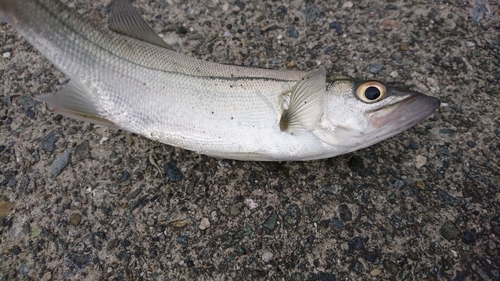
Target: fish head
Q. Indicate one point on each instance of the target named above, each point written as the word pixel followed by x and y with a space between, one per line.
pixel 361 113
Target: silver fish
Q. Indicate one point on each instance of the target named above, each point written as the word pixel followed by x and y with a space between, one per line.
pixel 127 77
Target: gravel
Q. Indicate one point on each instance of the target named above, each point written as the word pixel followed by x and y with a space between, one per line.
pixel 422 205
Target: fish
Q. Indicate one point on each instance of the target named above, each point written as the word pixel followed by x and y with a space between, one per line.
pixel 125 76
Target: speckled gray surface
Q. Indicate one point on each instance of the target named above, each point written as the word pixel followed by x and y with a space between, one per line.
pixel 85 202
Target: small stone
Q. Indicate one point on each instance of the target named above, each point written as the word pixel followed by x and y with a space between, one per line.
pixel 292 32
pixel 125 176
pixel 469 237
pixel 449 231
pixel 337 27
pixel 337 223
pixel 347 5
pixel 75 219
pixel 330 188
pixel 240 4
pixel 6 55
pixel 182 223
pixel 5 206
pixel 399 183
pixel 420 161
pixel 47 276
pixel 420 185
pixel 182 240
pixel 281 10
pixel 173 173
pixel 391 267
pixel 310 12
pixel 270 222
pixel 181 30
pixel 414 145
pixel 375 272
pixel 293 215
pixel 204 224
pixel 61 163
pixel 50 139
pixel 356 244
pixel 471 144
pixel 129 139
pixel 344 213
pixel 24 269
pixel 36 230
pixel 375 68
pixel 250 204
pixel 447 198
pixel 267 257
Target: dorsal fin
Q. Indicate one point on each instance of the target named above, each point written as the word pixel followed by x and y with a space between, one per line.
pixel 127 21
pixel 307 102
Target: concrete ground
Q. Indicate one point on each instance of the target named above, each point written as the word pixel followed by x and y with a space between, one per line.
pixel 424 205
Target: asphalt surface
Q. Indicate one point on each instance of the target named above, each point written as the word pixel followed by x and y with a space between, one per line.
pixel 85 202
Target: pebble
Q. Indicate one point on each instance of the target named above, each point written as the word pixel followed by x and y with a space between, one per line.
pixel 310 12
pixel 173 173
pixel 337 27
pixel 337 223
pixel 398 183
pixel 267 257
pixel 281 10
pixel 204 224
pixel 80 260
pixel 375 272
pixel 469 237
pixel 449 231
pixel 420 161
pixel 292 32
pixel 61 163
pixel 182 240
pixel 75 219
pixel 24 269
pixel 5 206
pixel 270 222
pixel 447 198
pixel 392 267
pixel 414 145
pixel 420 185
pixel 50 139
pixel 356 244
pixel 251 204
pixel 344 213
pixel 293 215
pixel 471 144
pixel 347 5
pixel 375 68
pixel 6 55
pixel 330 188
pixel 394 74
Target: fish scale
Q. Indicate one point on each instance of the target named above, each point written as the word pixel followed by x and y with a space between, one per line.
pixel 136 82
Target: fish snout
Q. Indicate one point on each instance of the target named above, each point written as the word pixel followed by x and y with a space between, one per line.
pixel 406 113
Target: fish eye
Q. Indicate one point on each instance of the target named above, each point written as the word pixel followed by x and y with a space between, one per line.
pixel 371 91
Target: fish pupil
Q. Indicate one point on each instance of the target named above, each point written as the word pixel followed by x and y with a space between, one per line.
pixel 372 93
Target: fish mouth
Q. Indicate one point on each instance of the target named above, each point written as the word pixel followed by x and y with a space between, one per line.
pixel 405 113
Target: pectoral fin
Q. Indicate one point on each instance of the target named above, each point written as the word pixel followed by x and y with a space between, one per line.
pixel 75 101
pixel 127 21
pixel 307 102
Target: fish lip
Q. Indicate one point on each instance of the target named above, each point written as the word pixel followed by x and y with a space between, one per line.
pixel 407 112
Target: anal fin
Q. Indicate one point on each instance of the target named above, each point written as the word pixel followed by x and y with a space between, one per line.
pixel 75 101
pixel 307 102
